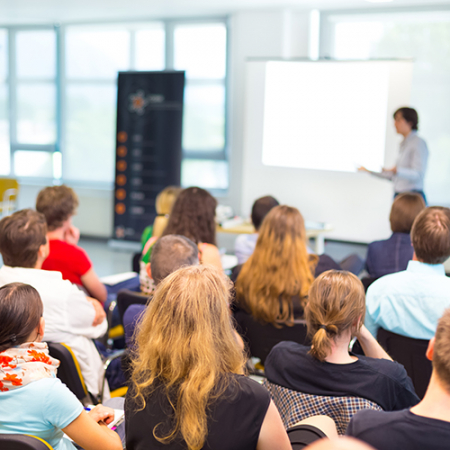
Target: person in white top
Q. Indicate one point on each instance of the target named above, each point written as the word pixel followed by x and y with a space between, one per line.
pixel 409 171
pixel 70 316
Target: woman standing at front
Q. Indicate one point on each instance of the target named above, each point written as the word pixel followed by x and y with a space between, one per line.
pixel 409 172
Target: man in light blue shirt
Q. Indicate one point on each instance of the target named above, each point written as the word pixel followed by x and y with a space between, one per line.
pixel 410 302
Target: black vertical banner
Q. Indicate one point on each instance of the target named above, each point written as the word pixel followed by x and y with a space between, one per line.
pixel 148 146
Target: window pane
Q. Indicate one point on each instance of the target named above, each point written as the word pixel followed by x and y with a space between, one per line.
pixel 3 55
pixel 4 131
pixel 424 38
pixel 36 54
pixel 150 49
pixel 96 54
pixel 36 113
pixel 90 140
pixel 204 117
pixel 201 50
pixel 33 164
pixel 204 173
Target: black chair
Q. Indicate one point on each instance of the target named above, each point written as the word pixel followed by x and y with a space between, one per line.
pixel 69 371
pixel 411 354
pixel 367 281
pixel 23 442
pixel 135 262
pixel 125 298
pixel 261 338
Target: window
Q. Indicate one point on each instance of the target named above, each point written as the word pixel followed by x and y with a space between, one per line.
pixel 424 37
pixel 62 104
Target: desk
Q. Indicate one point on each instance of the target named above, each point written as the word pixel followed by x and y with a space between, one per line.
pixel 314 230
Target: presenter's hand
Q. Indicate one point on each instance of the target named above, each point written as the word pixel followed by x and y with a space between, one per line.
pixel 102 414
pixel 363 169
pixel 72 235
pixel 393 170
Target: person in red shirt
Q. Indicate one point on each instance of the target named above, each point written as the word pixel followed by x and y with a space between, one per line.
pixel 59 204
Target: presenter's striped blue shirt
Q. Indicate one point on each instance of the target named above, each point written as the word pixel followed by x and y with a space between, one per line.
pixel 410 302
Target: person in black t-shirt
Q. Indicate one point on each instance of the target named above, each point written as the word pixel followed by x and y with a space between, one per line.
pixel 426 425
pixel 188 389
pixel 334 313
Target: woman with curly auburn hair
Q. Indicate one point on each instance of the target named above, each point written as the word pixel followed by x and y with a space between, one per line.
pixel 188 388
pixel 273 284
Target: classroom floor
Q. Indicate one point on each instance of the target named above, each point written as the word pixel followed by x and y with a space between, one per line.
pixel 108 261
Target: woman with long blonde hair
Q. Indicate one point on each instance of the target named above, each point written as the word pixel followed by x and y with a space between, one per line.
pixel 273 283
pixel 334 315
pixel 188 388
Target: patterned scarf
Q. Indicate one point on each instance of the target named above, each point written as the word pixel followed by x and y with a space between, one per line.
pixel 25 363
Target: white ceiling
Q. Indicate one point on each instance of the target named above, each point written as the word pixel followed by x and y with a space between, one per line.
pixel 48 11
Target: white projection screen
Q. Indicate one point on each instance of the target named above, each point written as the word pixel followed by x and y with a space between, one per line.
pixel 309 124
pixel 325 116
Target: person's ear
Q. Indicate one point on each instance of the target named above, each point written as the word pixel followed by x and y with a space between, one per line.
pixel 430 350
pixel 148 268
pixel 44 250
pixel 41 329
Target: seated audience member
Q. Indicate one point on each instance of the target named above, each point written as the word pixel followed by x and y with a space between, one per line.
pixel 169 253
pixel 193 216
pixel 245 243
pixel 33 401
pixel 340 443
pixel 59 204
pixel 410 303
pixel 426 425
pixel 188 385
pixel 273 284
pixel 163 205
pixel 393 254
pixel 70 316
pixel 334 314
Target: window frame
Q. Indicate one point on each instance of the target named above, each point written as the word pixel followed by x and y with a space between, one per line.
pixel 61 82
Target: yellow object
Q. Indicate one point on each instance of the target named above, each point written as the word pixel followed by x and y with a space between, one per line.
pixel 116 332
pixel 9 188
pixel 42 440
pixel 119 392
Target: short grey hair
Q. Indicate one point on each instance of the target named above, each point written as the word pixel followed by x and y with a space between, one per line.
pixel 171 252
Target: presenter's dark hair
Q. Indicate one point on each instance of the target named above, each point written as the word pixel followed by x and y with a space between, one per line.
pixel 21 236
pixel 193 215
pixel 260 209
pixel 410 115
pixel 21 309
pixel 404 210
pixel 430 235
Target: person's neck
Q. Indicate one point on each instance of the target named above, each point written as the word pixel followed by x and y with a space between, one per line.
pixel 339 350
pixel 406 134
pixel 56 234
pixel 436 403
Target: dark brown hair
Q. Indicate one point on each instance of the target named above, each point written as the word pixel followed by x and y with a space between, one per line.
pixel 57 203
pixel 430 235
pixel 405 209
pixel 410 115
pixel 170 253
pixel 336 302
pixel 260 209
pixel 193 216
pixel 21 236
pixel 21 309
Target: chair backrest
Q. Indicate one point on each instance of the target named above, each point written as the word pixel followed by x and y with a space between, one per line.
pixel 69 371
pixel 261 338
pixel 411 354
pixel 295 406
pixel 125 298
pixel 135 262
pixel 23 442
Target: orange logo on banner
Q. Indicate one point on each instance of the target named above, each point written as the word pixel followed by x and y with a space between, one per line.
pixel 121 151
pixel 120 208
pixel 121 180
pixel 121 194
pixel 122 136
pixel 121 165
